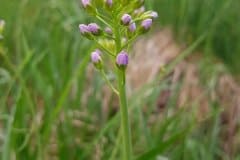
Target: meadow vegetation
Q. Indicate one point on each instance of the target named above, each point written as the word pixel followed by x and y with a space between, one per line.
pixel 46 112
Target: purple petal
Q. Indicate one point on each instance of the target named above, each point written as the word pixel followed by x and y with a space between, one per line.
pixel 83 28
pixel 93 28
pixel 122 59
pixel 109 3
pixel 108 30
pixel 126 19
pixel 132 27
pixel 147 23
pixel 95 57
pixel 86 3
pixel 154 15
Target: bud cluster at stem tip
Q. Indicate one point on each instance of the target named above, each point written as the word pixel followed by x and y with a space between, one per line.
pixel 123 21
pixel 132 20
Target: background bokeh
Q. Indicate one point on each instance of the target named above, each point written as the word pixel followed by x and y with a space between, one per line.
pixel 54 106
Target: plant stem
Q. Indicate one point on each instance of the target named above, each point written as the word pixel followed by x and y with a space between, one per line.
pixel 126 132
pixel 108 82
pixel 125 125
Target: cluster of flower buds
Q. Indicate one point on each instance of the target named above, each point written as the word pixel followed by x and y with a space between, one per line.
pixel 90 30
pixel 127 16
pixel 145 25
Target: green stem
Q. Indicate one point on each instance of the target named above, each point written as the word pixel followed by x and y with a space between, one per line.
pixel 102 20
pixel 126 132
pixel 130 41
pixel 103 48
pixel 125 125
pixel 108 82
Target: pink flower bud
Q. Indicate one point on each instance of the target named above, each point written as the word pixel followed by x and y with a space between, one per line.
pixel 122 59
pixel 147 23
pixel 94 28
pixel 109 3
pixel 126 19
pixel 83 29
pixel 95 57
pixel 132 27
pixel 86 3
pixel 139 10
pixel 108 30
pixel 154 14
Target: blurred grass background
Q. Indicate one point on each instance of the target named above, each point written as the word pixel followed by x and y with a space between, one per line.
pixel 43 78
pixel 219 19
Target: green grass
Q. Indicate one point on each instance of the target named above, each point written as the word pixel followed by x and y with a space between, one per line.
pixel 44 61
pixel 220 19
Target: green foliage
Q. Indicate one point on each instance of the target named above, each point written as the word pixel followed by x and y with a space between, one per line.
pixel 219 19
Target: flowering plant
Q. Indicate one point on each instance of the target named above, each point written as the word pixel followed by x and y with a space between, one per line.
pixel 124 21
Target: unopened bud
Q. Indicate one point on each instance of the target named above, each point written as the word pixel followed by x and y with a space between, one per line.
pixel 86 3
pixel 154 14
pixel 146 24
pixel 108 30
pixel 109 3
pixel 83 29
pixel 88 6
pixel 139 10
pixel 96 59
pixel 132 27
pixel 94 29
pixel 126 19
pixel 122 60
